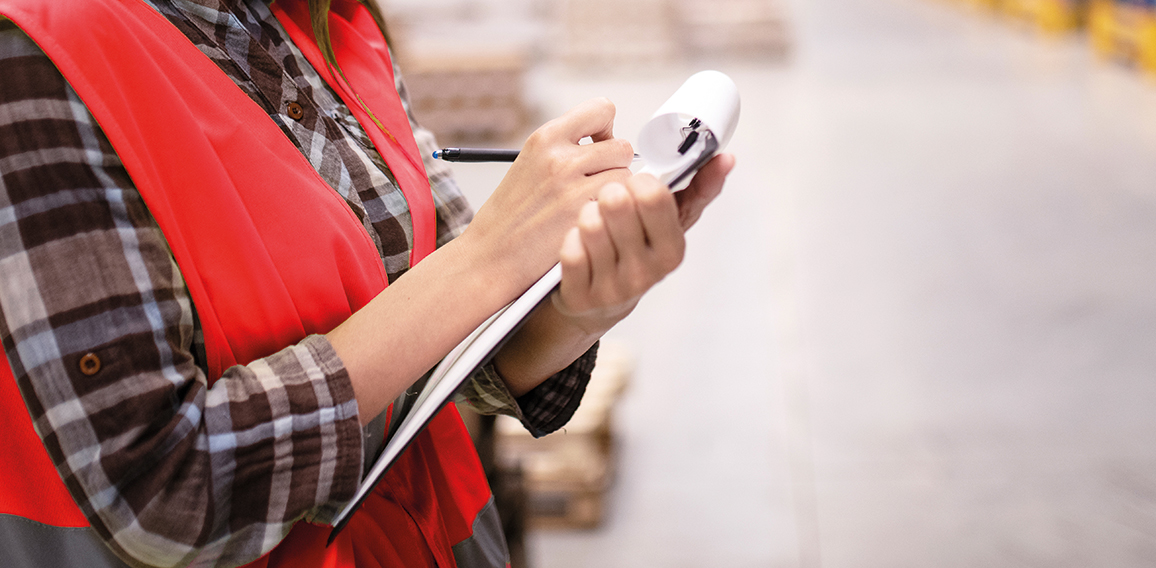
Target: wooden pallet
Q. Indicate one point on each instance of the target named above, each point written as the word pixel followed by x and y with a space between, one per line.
pixel 567 474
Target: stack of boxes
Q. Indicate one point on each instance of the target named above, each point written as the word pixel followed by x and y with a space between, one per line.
pixel 605 33
pixel 465 73
pixel 751 28
pixel 467 99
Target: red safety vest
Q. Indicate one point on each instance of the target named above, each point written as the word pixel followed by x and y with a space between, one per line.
pixel 269 252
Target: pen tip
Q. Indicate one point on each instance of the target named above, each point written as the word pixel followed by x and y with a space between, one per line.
pixel 437 154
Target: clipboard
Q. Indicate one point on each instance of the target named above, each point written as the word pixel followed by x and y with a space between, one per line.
pixel 689 129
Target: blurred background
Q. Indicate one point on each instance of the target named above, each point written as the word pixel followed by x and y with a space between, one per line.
pixel 918 329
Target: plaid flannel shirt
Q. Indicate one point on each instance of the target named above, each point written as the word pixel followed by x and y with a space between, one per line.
pixel 84 268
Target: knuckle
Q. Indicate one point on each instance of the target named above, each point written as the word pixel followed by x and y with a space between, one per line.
pixel 590 225
pixel 670 259
pixel 614 201
pixel 537 138
pixel 569 259
pixel 634 278
pixel 604 104
pixel 620 175
pixel 637 283
pixel 552 129
pixel 624 148
pixel 557 161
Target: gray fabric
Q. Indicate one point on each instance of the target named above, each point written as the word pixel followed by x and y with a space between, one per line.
pixel 487 547
pixel 29 544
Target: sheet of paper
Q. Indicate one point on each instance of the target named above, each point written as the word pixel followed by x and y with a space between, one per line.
pixel 708 98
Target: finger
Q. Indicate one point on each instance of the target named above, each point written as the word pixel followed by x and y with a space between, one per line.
pixel 595 182
pixel 575 264
pixel 616 204
pixel 593 118
pixel 659 217
pixel 599 247
pixel 605 155
pixel 703 188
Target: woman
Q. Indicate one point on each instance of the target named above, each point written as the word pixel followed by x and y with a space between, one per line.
pixel 210 228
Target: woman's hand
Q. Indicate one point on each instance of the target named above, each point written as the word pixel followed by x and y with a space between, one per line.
pixel 622 245
pixel 546 186
pixel 512 241
pixel 628 241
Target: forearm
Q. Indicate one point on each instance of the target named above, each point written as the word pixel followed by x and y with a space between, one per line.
pixel 513 239
pixel 548 342
pixel 412 324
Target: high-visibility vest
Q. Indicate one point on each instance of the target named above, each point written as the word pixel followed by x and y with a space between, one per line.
pixel 242 209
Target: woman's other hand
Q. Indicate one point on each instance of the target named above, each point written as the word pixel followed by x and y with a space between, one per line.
pixel 538 200
pixel 627 241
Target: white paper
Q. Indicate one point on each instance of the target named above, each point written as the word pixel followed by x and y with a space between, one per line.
pixel 709 96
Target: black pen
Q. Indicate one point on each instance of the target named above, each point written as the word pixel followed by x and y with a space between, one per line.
pixel 475 155
pixel 479 155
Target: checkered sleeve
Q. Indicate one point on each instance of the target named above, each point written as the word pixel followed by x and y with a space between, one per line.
pixel 543 410
pixel 97 325
pixel 549 406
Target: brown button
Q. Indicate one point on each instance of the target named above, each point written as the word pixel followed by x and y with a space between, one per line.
pixel 295 111
pixel 90 364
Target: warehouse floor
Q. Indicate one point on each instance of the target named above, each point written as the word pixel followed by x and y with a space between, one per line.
pixel 919 327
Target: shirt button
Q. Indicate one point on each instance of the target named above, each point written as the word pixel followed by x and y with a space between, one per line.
pixel 295 111
pixel 90 364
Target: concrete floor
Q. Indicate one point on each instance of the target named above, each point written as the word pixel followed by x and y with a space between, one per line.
pixel 919 327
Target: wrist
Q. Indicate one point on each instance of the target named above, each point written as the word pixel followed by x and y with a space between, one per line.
pixel 507 260
pixel 593 322
pixel 548 342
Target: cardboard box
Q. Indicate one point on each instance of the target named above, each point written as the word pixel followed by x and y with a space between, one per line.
pixel 469 98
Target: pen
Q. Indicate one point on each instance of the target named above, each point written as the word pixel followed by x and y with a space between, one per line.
pixel 479 155
pixel 475 155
